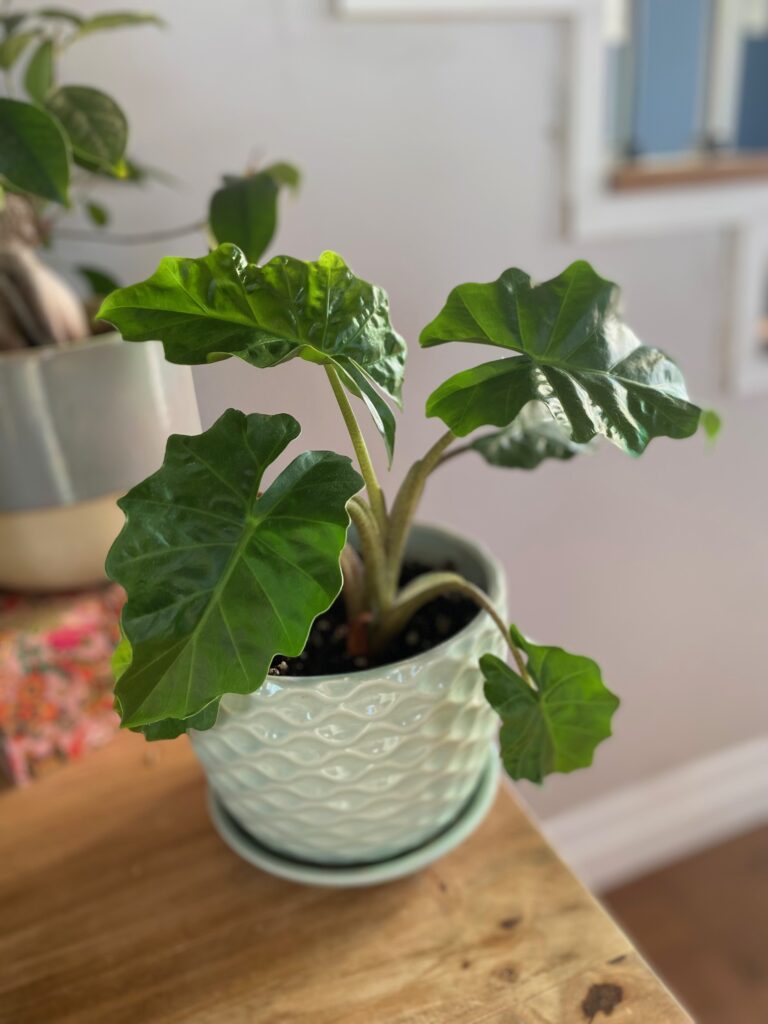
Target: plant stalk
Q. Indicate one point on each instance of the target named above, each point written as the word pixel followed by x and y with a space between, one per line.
pixel 426 588
pixel 373 554
pixel 407 501
pixel 375 494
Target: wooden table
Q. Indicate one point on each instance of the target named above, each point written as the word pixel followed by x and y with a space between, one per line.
pixel 119 903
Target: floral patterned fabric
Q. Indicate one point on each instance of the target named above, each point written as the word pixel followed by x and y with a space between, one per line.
pixel 55 678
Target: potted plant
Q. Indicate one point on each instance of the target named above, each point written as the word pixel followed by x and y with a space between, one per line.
pixel 342 696
pixel 70 394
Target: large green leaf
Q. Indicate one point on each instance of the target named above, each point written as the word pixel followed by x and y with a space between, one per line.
pixel 219 576
pixel 556 726
pixel 532 437
pixel 575 355
pixel 38 77
pixel 33 152
pixel 96 126
pixel 244 210
pixel 219 305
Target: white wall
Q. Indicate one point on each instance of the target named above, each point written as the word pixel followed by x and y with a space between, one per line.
pixel 431 156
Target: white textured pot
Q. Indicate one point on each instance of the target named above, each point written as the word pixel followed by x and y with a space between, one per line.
pixel 351 769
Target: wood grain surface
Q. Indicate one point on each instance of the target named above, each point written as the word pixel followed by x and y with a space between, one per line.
pixel 119 903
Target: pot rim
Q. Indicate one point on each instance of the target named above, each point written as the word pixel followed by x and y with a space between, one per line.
pixel 41 353
pixel 494 589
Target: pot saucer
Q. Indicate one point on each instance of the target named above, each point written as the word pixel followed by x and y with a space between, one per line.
pixel 351 875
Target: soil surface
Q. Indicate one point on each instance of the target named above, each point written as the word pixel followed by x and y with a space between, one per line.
pixel 326 651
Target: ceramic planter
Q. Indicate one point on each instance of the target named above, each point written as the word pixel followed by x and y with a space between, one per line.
pixel 358 769
pixel 79 425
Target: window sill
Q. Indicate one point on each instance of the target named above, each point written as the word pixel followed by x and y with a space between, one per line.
pixel 697 171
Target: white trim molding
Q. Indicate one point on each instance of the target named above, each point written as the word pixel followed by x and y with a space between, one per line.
pixel 639 828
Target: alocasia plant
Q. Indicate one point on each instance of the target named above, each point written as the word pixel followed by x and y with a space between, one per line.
pixel 222 577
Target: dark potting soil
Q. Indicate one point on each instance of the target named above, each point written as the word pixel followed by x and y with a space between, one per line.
pixel 326 650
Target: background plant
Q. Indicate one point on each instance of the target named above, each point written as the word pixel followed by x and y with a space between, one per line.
pixel 239 572
pixel 60 143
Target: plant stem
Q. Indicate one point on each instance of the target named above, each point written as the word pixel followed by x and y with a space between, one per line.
pixel 406 502
pixel 142 238
pixel 373 553
pixel 375 494
pixel 434 584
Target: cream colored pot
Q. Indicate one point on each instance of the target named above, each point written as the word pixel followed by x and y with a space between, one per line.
pixel 341 770
pixel 79 425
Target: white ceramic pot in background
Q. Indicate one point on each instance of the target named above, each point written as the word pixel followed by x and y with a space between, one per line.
pixel 350 769
pixel 79 425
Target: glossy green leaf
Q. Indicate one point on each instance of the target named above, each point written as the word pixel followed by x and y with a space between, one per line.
pixel 244 210
pixel 575 355
pixel 532 437
pixel 216 306
pixel 219 576
pixel 117 19
pixel 101 283
pixel 38 77
pixel 556 726
pixel 169 728
pixel 13 46
pixel 33 152
pixel 96 126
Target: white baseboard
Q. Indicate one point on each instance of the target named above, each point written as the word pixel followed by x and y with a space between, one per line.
pixel 638 828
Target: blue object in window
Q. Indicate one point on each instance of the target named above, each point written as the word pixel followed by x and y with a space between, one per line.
pixel 671 40
pixel 753 107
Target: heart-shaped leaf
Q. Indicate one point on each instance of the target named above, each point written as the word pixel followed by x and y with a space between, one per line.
pixel 220 577
pixel 532 437
pixel 96 126
pixel 575 355
pixel 244 210
pixel 556 726
pixel 38 77
pixel 34 155
pixel 219 305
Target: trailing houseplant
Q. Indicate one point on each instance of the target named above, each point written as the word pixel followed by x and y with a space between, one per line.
pixel 226 574
pixel 61 144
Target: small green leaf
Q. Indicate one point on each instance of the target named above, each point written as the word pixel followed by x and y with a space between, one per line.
pixel 117 19
pixel 98 214
pixel 100 282
pixel 284 174
pixel 219 576
pixel 533 436
pixel 33 152
pixel 38 77
pixel 245 212
pixel 556 726
pixel 574 354
pixel 218 305
pixel 96 126
pixel 10 22
pixel 13 46
pixel 711 424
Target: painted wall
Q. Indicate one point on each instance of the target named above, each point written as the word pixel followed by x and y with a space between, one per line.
pixel 432 155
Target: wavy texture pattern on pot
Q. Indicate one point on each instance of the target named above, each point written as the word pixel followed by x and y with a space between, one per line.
pixel 348 769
